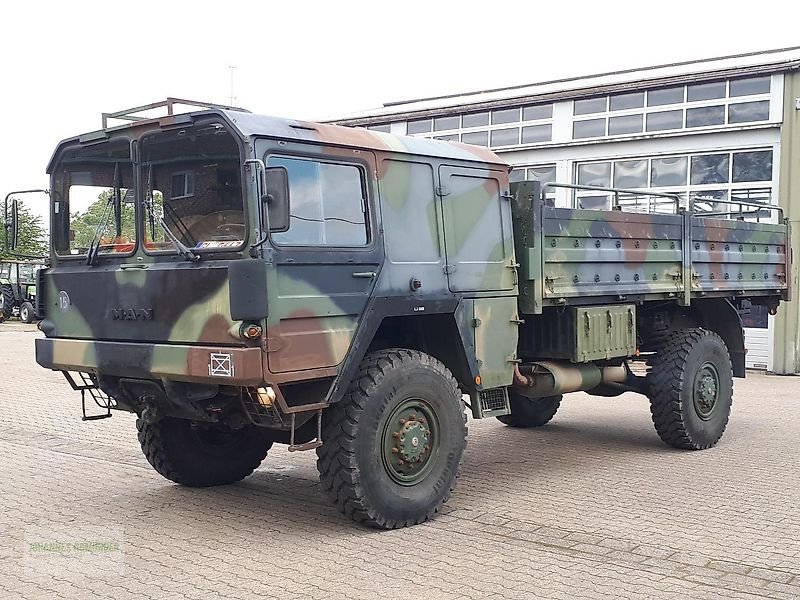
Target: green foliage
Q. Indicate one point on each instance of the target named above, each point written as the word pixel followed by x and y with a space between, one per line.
pixel 31 236
pixel 85 224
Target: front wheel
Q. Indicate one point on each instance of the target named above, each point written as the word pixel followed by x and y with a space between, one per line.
pixel 198 454
pixel 691 389
pixel 26 312
pixel 393 444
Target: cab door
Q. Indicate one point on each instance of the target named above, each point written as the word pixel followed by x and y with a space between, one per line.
pixel 325 264
pixel 477 230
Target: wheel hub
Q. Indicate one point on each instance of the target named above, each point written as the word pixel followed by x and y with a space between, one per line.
pixel 409 441
pixel 706 390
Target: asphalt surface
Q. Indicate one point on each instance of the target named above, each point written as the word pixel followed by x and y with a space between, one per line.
pixel 592 505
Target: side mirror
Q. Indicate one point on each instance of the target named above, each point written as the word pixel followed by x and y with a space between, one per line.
pixel 276 198
pixel 14 224
pixel 11 226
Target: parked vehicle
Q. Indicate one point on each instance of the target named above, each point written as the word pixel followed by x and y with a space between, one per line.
pixel 255 280
pixel 18 289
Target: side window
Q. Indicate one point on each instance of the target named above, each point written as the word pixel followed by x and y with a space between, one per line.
pixel 327 203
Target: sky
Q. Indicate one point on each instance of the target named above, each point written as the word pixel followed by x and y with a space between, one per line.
pixel 64 63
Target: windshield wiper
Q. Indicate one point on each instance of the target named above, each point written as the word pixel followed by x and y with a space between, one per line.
pixel 153 215
pixel 114 201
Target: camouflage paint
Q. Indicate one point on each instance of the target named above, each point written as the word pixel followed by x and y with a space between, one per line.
pixel 439 214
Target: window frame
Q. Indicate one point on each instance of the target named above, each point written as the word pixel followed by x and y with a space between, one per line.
pixel 245 196
pixel 62 195
pixel 367 199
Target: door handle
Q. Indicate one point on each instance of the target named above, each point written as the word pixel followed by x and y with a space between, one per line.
pixel 125 266
pixel 365 274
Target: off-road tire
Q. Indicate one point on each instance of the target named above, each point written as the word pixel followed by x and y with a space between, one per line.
pixel 6 300
pixel 673 386
pixel 352 463
pixel 530 412
pixel 179 450
pixel 26 312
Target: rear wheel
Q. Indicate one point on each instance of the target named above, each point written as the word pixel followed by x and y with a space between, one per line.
pixel 6 300
pixel 393 444
pixel 26 312
pixel 530 412
pixel 200 454
pixel 691 389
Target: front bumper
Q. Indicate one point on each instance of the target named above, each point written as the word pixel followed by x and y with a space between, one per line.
pixel 206 364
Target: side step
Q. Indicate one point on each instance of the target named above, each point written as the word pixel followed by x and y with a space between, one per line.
pixel 100 398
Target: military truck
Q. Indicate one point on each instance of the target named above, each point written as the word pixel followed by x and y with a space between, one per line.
pixel 255 281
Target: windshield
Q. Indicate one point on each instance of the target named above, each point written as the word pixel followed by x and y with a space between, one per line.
pixel 192 180
pixel 94 200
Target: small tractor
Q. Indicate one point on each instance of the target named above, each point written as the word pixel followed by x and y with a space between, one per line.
pixel 18 289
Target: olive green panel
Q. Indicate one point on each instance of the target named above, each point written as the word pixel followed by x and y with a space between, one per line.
pixel 605 332
pixel 495 323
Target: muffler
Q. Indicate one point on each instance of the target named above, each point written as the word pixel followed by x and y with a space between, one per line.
pixel 549 377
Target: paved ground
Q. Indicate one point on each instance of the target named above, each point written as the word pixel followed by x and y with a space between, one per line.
pixel 591 506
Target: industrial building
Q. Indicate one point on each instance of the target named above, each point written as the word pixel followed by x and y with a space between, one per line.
pixel 721 129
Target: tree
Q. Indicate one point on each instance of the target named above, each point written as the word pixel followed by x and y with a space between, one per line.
pixel 32 238
pixel 85 224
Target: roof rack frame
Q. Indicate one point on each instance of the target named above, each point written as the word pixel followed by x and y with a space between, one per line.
pixel 130 114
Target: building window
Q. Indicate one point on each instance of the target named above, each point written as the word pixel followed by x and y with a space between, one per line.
pixel 505 116
pixel 385 128
pixel 711 104
pixel 624 124
pixel 626 101
pixel 668 119
pixel 477 138
pixel 705 116
pixel 537 133
pixel 706 91
pixel 423 126
pixel 752 166
pixel 537 113
pixel 746 112
pixel 504 137
pixel 475 120
pixel 665 172
pixel 708 180
pixel 710 168
pixel 589 128
pixel 750 86
pixel 590 105
pixel 665 96
pixel 630 174
pixel 598 174
pixel 446 123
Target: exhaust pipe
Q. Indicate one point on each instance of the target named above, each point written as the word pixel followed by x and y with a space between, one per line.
pixel 548 377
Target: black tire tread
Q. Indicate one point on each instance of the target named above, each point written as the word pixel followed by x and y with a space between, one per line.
pixel 666 382
pixel 336 460
pixel 8 300
pixel 152 438
pixel 526 419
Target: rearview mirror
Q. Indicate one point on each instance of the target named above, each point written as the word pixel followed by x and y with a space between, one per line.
pixel 14 225
pixel 10 225
pixel 276 198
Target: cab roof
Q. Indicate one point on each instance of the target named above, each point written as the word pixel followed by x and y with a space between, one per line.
pixel 249 125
